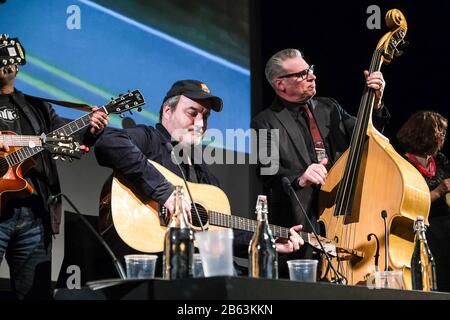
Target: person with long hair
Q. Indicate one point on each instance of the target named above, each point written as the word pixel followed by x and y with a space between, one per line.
pixel 422 138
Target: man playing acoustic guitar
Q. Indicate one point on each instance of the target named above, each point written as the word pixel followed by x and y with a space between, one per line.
pixel 183 120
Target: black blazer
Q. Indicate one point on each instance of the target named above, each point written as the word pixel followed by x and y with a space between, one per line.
pixel 335 126
pixel 43 119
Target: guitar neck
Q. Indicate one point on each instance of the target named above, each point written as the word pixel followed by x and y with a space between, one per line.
pixel 67 130
pixel 239 223
pixel 20 140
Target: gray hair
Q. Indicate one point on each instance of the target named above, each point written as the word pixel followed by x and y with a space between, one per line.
pixel 274 67
pixel 171 102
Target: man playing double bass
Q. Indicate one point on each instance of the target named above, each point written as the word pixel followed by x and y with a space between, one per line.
pixel 313 134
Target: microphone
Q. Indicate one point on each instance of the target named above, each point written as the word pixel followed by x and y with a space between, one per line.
pixel 386 241
pixel 169 147
pixel 54 198
pixel 288 189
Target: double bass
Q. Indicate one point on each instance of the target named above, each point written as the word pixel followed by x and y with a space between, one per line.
pixel 372 194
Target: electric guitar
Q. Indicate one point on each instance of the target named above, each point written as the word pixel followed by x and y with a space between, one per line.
pixel 142 226
pixel 14 164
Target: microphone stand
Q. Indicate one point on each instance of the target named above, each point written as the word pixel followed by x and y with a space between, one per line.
pixel 339 277
pixel 116 262
pixel 172 153
pixel 386 241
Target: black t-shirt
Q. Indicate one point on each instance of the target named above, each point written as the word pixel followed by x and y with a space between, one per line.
pixel 12 117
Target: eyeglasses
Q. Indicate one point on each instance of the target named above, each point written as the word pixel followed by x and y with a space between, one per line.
pixel 302 74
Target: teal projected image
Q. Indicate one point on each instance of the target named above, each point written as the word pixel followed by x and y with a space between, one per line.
pixel 90 51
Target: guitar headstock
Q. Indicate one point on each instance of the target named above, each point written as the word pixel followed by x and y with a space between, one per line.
pixel 63 147
pixel 392 42
pixel 126 102
pixel 11 51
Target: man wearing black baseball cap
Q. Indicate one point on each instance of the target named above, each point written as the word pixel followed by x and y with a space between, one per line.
pixel 183 118
pixel 195 90
pixel 185 110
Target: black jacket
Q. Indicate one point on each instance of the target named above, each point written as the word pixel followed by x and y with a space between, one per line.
pixel 335 126
pixel 43 119
pixel 126 152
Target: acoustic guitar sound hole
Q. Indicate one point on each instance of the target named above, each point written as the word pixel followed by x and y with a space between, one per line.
pixel 203 215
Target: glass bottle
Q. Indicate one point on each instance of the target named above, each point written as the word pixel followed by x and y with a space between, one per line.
pixel 178 242
pixel 263 259
pixel 423 267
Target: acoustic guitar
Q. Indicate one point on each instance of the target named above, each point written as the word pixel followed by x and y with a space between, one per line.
pixel 142 226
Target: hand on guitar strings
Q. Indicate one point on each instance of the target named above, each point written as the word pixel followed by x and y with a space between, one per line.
pixel 99 121
pixel 316 173
pixel 170 205
pixel 293 243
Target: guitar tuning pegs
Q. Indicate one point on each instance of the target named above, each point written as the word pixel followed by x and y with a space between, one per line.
pixel 139 109
pixel 131 113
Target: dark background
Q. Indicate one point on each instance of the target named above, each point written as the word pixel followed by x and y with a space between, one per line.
pixel 335 38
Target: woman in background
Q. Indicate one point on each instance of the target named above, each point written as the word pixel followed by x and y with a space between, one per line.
pixel 422 138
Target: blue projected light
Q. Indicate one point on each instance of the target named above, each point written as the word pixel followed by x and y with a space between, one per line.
pixel 112 53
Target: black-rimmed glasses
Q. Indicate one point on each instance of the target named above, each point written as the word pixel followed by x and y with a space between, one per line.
pixel 301 74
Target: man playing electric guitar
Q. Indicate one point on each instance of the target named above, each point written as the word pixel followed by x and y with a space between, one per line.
pixel 28 222
pixel 183 120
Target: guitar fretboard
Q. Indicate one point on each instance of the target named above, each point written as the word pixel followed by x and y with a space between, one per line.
pixel 20 140
pixel 236 222
pixel 67 130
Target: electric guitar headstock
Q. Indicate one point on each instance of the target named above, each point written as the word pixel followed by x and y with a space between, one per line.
pixel 11 51
pixel 63 147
